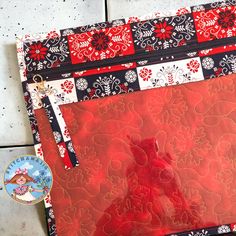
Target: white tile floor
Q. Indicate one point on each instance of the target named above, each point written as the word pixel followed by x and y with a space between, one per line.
pixel 20 17
pixel 126 8
pixel 40 16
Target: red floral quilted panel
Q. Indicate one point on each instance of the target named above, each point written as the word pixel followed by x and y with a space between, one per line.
pixel 151 163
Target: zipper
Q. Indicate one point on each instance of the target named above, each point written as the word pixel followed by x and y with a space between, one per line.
pixel 57 123
pixel 50 106
pixel 141 56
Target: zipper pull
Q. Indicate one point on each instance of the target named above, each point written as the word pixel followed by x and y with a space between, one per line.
pixel 38 79
pixel 57 123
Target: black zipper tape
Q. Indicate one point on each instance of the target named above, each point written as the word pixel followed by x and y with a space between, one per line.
pixel 150 55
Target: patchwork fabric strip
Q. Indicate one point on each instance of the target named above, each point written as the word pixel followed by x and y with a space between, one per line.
pixel 122 56
pixel 60 132
pixel 218 230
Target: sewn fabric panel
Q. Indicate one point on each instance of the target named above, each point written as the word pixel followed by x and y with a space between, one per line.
pixel 63 140
pixel 106 41
pixel 119 40
pixel 174 38
pixel 159 161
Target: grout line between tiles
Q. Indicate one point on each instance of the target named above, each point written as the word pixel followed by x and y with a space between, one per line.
pixel 106 10
pixel 16 146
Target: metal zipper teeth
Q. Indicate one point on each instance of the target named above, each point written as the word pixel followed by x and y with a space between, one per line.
pixel 153 55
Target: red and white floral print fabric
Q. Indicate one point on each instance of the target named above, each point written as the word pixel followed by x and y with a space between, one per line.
pixel 121 57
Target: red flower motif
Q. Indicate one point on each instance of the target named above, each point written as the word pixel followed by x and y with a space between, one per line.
pixel 92 92
pixel 226 19
pixel 145 74
pixel 123 87
pixel 193 66
pixel 24 73
pixel 233 227
pixel 66 132
pixel 218 71
pixel 37 51
pixel 182 11
pixel 182 42
pixel 40 151
pixel 100 41
pixel 52 34
pixel 149 48
pixel 163 30
pixel 67 86
pixel 133 19
pixel 48 199
pixel 56 64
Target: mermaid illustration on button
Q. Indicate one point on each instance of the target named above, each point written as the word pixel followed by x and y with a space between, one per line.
pixel 29 181
pixel 24 192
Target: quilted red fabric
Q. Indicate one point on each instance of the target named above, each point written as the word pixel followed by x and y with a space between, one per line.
pixel 151 163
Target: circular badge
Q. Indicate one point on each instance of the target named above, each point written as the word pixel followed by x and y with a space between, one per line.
pixel 28 179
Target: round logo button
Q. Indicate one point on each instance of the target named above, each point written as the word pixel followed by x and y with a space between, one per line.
pixel 28 179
